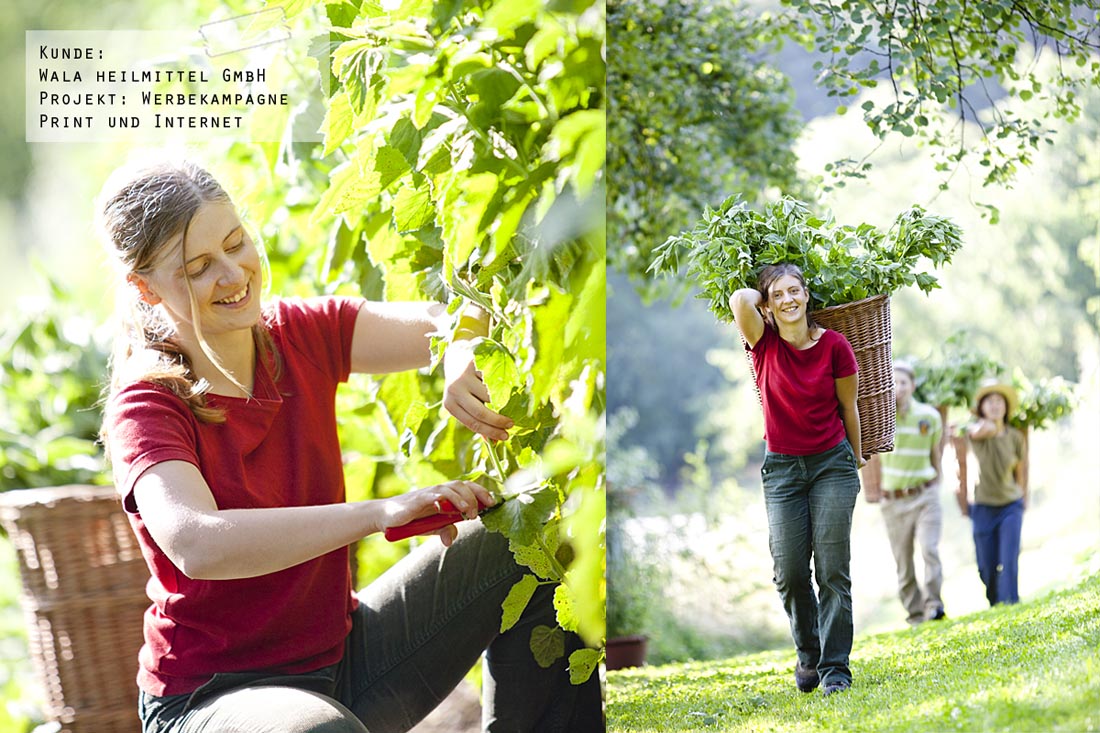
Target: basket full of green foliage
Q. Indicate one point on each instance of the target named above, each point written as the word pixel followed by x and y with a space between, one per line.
pixel 850 271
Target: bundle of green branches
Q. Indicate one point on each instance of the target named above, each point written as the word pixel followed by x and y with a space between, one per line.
pixel 729 246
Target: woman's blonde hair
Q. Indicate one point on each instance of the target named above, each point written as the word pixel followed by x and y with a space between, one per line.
pixel 141 210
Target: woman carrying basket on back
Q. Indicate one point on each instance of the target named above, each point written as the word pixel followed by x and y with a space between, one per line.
pixel 807 378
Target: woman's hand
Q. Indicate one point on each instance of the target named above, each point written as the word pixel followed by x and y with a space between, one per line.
pixel 465 496
pixel 465 394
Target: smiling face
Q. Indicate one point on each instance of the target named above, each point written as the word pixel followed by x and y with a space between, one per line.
pixel 787 300
pixel 222 266
pixel 993 407
pixel 903 388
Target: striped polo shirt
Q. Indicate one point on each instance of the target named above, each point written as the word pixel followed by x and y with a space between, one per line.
pixel 909 464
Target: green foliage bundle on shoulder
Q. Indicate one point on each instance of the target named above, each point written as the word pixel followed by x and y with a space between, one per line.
pixel 1042 402
pixel 730 245
pixel 953 378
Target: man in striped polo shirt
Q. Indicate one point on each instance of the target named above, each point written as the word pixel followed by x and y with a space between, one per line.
pixel 907 482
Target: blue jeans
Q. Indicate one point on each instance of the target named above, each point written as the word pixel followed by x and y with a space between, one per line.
pixel 997 547
pixel 418 630
pixel 810 500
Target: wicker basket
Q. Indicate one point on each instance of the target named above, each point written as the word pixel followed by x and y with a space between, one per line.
pixel 83 599
pixel 866 325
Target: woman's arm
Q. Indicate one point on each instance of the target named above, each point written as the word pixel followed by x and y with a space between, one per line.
pixel 872 479
pixel 981 429
pixel 961 492
pixel 745 304
pixel 392 337
pixel 846 390
pixel 1021 469
pixel 208 543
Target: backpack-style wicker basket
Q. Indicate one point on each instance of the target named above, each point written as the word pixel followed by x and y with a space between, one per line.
pixel 83 599
pixel 866 325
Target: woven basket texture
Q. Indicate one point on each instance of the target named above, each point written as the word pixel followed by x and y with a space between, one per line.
pixel 866 325
pixel 83 599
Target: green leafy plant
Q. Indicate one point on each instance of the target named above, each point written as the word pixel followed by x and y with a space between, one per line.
pixel 729 246
pixel 463 162
pixel 937 63
pixel 52 365
pixel 1042 402
pixel 688 121
pixel 953 378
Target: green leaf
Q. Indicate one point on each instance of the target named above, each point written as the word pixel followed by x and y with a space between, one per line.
pixel 498 371
pixel 494 86
pixel 581 138
pixel 563 604
pixel 548 341
pixel 412 208
pixel 460 215
pixel 351 188
pixel 534 557
pixel 337 125
pixel 548 645
pixel 505 17
pixel 390 164
pixel 406 138
pixel 582 663
pixel 521 517
pixel 544 43
pixel 516 601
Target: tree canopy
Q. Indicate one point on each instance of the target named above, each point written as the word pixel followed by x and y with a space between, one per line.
pixel 694 113
pixel 949 65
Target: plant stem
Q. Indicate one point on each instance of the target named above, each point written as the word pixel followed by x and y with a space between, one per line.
pixel 556 566
pixel 496 461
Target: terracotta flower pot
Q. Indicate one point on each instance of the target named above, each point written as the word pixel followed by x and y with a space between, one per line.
pixel 626 651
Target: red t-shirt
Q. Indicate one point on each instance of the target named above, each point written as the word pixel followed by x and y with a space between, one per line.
pixel 278 449
pixel 798 391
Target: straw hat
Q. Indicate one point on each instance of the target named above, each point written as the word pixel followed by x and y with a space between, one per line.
pixel 989 386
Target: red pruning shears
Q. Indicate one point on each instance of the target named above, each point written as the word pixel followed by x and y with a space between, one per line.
pixel 523 482
pixel 447 515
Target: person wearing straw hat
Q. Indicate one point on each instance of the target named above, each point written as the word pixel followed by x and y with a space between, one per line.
pixel 906 482
pixel 1000 494
pixel 807 378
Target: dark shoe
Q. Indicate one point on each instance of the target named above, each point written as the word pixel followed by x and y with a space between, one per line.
pixel 936 614
pixel 837 686
pixel 806 678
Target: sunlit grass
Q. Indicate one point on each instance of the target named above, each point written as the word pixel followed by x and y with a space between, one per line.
pixel 1030 667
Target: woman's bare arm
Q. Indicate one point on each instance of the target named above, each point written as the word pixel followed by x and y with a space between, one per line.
pixel 846 390
pixel 205 542
pixel 745 304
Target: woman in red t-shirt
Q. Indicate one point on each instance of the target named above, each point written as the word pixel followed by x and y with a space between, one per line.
pixel 221 428
pixel 807 380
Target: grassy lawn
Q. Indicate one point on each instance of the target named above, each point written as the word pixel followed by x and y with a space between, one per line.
pixel 1034 666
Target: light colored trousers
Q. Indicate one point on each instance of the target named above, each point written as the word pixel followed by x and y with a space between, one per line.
pixel 910 521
